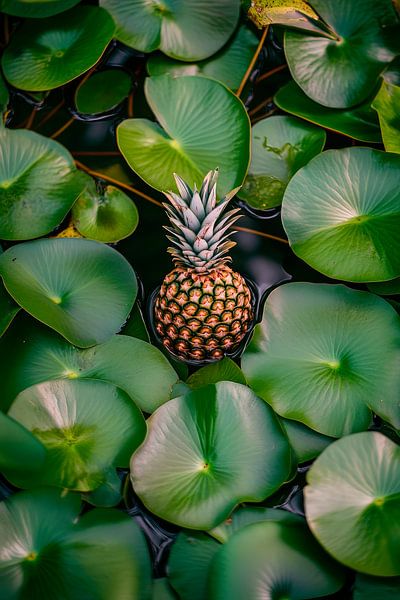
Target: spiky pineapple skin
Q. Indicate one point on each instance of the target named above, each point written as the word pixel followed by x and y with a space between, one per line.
pixel 203 316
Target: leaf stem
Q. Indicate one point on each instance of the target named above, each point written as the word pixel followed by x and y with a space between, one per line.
pixel 262 234
pixel 51 113
pixel 271 72
pixel 252 63
pixel 62 128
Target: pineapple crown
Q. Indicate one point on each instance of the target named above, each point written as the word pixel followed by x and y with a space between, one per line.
pixel 199 229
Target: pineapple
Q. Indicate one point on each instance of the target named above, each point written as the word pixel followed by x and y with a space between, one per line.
pixel 204 308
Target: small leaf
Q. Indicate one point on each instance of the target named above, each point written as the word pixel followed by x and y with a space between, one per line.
pixel 387 104
pixel 292 13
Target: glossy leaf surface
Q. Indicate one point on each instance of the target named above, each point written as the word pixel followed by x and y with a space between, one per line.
pixel 107 215
pixel 223 370
pixel 86 427
pixel 103 91
pixel 227 66
pixel 50 52
pixel 183 29
pixel 325 355
pixel 207 451
pixel 306 443
pixel 292 13
pixel 35 8
pixel 20 452
pixel 367 587
pixel 33 354
pixel 387 104
pixel 341 213
pixel 280 147
pixel 38 184
pixel 341 72
pixel 202 126
pixel 359 122
pixel 82 289
pixel 49 551
pixel 353 502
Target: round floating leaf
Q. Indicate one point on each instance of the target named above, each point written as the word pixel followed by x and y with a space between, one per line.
pixel 360 122
pixel 273 559
pixel 207 451
pixel 49 551
pixel 227 66
pixel 341 72
pixel 82 289
pixel 353 502
pixel 306 443
pixel 31 354
pixel 182 29
pixel 135 325
pixel 86 426
pixel 8 309
pixel 107 215
pixel 35 8
pixel 103 91
pixel 20 452
pixel 189 563
pixel 385 288
pixel 203 125
pixel 280 147
pixel 53 51
pixel 367 587
pixel 325 355
pixel 341 213
pixel 108 493
pixel 222 370
pixel 38 184
pixel 387 104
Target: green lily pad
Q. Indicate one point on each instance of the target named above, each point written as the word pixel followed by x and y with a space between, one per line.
pixel 182 29
pixel 387 104
pixel 108 494
pixel 385 288
pixel 83 289
pixel 367 587
pixel 341 213
pixel 135 326
pixel 273 559
pixel 162 590
pixel 280 147
pixel 325 355
pixel 4 97
pixel 207 451
pixel 227 66
pixel 86 426
pixel 38 184
pixel 107 215
pixel 203 125
pixel 352 502
pixel 55 50
pixel 103 91
pixel 8 309
pixel 35 8
pixel 292 13
pixel 223 370
pixel 49 551
pixel 306 443
pixel 359 123
pixel 341 72
pixel 32 354
pixel 20 452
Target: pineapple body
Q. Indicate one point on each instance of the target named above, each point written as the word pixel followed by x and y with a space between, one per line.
pixel 202 316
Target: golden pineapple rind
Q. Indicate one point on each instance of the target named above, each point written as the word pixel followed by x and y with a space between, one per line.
pixel 203 316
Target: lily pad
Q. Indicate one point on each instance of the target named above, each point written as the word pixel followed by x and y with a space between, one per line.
pixel 83 289
pixel 292 13
pixel 367 587
pixel 207 451
pixel 273 559
pixel 341 213
pixel 182 29
pixel 325 355
pixel 342 72
pixel 4 97
pixel 49 551
pixel 35 8
pixel 227 66
pixel 8 309
pixel 135 326
pixel 203 125
pixel 38 184
pixel 104 214
pixel 32 354
pixel 21 453
pixel 306 443
pixel 223 370
pixel 103 91
pixel 385 288
pixel 352 502
pixel 55 50
pixel 280 147
pixel 86 427
pixel 359 122
pixel 387 104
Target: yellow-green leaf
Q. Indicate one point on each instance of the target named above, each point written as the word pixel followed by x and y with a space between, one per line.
pixel 387 105
pixel 294 13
